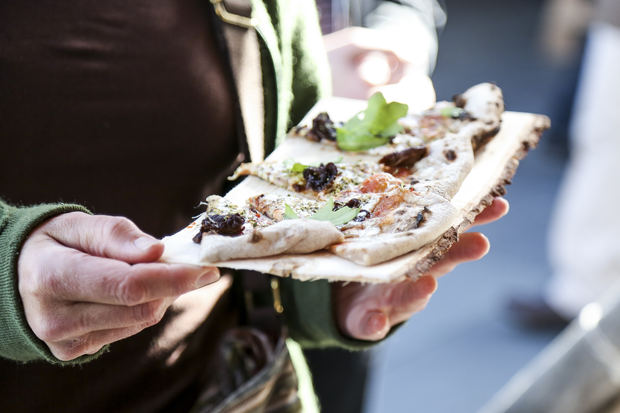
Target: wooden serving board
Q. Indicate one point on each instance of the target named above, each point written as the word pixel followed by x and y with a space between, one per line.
pixel 494 167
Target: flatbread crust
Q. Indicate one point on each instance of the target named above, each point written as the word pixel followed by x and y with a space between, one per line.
pixel 299 236
pixel 439 215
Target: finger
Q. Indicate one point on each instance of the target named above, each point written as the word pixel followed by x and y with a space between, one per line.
pixel 410 297
pixel 104 236
pixel 79 319
pixel 374 325
pixel 91 343
pixel 471 246
pixel 376 309
pixel 74 276
pixel 498 208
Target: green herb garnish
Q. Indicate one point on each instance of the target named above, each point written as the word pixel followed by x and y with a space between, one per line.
pixel 289 213
pixel 327 213
pixel 372 127
pixel 339 217
pixel 451 112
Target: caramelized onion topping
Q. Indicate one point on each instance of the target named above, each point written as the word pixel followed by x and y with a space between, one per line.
pixel 322 128
pixel 317 178
pixel 229 225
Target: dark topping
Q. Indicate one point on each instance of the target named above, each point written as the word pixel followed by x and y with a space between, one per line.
pixel 459 101
pixel 197 238
pixel 464 115
pixel 421 217
pixel 229 225
pixel 480 140
pixel 413 182
pixel 322 128
pixel 353 204
pixel 450 155
pixel 256 237
pixel 362 216
pixel 405 158
pixel 317 178
pixel 298 188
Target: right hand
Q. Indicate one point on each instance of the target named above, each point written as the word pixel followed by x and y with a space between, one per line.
pixel 87 281
pixel 368 312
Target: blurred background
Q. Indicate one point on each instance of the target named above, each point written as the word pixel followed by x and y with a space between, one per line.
pixel 462 349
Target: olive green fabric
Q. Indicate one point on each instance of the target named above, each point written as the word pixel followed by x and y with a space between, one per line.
pixel 17 341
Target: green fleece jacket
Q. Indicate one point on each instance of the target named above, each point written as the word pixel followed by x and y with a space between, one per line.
pixel 295 76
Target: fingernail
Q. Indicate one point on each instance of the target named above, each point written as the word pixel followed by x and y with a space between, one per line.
pixel 145 243
pixel 376 325
pixel 208 277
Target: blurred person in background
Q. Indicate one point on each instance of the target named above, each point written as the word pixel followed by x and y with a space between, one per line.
pixel 388 46
pixel 584 250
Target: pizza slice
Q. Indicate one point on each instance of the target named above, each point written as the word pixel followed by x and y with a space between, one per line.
pixel 229 232
pixel 437 146
pixel 386 223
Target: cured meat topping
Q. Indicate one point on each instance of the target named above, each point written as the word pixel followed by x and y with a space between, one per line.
pixel 322 128
pixel 230 225
pixel 317 178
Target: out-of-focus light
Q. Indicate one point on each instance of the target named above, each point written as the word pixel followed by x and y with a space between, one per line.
pixel 374 68
pixel 416 90
pixel 590 315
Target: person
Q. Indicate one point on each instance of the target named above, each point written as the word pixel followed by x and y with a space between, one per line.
pixel 582 247
pixel 369 46
pixel 130 108
pixel 584 255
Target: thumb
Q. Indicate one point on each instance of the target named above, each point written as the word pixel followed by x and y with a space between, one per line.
pixel 104 236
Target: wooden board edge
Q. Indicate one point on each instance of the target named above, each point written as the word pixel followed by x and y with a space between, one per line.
pixel 438 249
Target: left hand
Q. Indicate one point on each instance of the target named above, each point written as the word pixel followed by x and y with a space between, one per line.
pixel 368 312
pixel 364 61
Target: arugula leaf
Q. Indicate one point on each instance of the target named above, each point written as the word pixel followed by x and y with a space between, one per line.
pixel 327 213
pixel 372 127
pixel 451 112
pixel 339 217
pixel 289 213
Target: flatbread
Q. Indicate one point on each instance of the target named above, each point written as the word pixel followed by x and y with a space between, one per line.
pixel 494 165
pixel 439 215
pixel 300 236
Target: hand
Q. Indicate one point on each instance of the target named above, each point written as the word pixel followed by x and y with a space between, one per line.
pixel 80 290
pixel 364 61
pixel 368 312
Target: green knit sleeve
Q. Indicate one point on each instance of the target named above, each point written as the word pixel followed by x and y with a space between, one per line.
pixel 17 341
pixel 309 316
